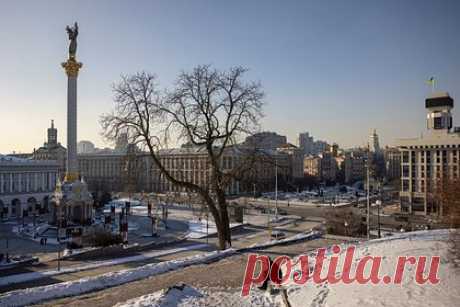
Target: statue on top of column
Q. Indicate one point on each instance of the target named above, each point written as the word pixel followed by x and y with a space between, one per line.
pixel 73 33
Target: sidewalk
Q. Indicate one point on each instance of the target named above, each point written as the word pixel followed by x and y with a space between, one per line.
pixel 25 277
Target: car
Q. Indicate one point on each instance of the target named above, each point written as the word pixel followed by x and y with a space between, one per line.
pixel 277 235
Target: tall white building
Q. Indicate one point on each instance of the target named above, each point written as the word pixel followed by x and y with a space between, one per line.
pixel 374 145
pixel 26 185
pixel 430 158
pixel 85 147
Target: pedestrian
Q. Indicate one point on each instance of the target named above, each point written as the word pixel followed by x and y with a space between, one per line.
pixel 265 284
pixel 270 268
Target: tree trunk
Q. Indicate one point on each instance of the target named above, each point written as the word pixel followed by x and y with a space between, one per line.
pixel 221 233
pixel 220 216
pixel 222 202
pixel 226 223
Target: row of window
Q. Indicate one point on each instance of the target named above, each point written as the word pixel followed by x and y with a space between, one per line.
pixel 27 182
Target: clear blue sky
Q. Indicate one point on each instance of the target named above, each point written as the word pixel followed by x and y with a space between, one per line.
pixel 334 68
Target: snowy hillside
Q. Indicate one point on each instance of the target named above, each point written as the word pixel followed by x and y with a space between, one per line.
pixel 408 293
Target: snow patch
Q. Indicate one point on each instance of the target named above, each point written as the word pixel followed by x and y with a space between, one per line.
pixel 75 287
pixel 184 296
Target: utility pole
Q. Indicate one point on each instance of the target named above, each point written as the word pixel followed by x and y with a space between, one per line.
pixel 379 203
pixel 207 225
pixel 7 250
pixel 276 190
pixel 368 193
pixel 59 245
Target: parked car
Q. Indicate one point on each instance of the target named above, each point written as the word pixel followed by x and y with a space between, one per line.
pixel 278 235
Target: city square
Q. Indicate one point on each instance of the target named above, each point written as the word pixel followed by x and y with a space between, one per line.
pixel 200 154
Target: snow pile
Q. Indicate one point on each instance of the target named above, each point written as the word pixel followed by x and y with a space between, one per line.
pixel 408 293
pixel 179 294
pixel 298 237
pixel 201 229
pixel 184 296
pixel 34 295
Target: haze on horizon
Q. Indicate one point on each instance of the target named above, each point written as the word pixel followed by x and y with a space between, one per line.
pixel 335 69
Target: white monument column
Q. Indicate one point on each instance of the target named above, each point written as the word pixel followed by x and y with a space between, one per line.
pixel 72 67
pixel 72 200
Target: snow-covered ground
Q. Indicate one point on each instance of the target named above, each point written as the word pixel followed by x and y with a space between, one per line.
pixel 183 295
pixel 298 237
pixel 201 229
pixel 24 277
pixel 94 283
pixel 334 196
pixel 75 287
pixel 409 293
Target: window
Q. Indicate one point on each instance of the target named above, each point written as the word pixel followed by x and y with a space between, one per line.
pixel 438 123
pixel 405 185
pixel 405 171
pixel 405 157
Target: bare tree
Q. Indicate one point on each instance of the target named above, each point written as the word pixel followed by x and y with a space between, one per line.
pixel 208 108
pixel 447 194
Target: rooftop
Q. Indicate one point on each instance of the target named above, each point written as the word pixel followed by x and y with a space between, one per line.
pixel 440 99
pixel 8 160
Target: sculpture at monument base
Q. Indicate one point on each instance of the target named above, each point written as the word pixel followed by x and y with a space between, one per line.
pixel 73 203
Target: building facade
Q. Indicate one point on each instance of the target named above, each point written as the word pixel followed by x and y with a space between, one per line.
pixel 265 140
pixel 296 159
pixel 374 144
pixel 52 150
pixel 26 186
pixel 392 158
pixel 306 143
pixel 85 147
pixel 354 166
pixel 309 146
pixel 137 171
pixel 427 160
pixel 322 166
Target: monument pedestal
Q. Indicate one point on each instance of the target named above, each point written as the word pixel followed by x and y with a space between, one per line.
pixel 73 202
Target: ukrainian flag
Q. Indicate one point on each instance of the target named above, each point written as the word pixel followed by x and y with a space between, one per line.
pixel 431 81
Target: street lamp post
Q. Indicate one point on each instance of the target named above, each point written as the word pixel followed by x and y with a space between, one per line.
pixel 368 194
pixel 207 225
pixel 378 217
pixel 379 203
pixel 7 250
pixel 276 190
pixel 59 245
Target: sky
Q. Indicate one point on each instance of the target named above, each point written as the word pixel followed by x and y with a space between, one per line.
pixel 336 69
